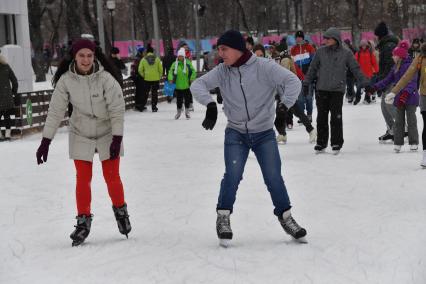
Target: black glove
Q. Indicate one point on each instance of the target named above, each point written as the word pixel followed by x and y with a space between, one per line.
pixel 219 98
pixel 211 116
pixel 114 148
pixel 43 150
pixel 282 108
pixel 305 90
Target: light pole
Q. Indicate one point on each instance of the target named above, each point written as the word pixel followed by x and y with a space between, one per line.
pixel 111 7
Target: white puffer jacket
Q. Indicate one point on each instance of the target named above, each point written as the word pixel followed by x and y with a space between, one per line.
pixel 98 112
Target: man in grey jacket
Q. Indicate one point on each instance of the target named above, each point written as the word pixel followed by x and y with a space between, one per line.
pixel 248 85
pixel 329 66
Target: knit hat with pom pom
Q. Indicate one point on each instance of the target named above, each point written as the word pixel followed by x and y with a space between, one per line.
pixel 402 49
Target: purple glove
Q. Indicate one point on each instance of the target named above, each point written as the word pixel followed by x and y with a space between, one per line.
pixel 43 150
pixel 114 149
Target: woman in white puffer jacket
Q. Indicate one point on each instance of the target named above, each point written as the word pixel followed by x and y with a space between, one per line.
pixel 91 84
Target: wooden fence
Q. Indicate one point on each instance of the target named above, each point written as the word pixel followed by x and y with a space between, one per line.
pixel 31 113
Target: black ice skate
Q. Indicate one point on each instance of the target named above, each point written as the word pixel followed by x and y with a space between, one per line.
pixel 319 149
pixel 336 149
pixel 385 137
pixel 223 227
pixel 82 229
pixel 291 227
pixel 122 218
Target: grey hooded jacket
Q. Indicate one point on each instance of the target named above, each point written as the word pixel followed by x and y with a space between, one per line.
pixel 330 64
pixel 249 92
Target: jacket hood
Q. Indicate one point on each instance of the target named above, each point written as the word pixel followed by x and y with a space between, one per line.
pixel 334 33
pixel 3 60
pixel 386 39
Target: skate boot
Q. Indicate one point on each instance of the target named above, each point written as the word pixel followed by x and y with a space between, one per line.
pixel 291 227
pixel 187 115
pixel 397 148
pixel 82 229
pixel 223 227
pixel 8 134
pixel 385 137
pixel 313 136
pixel 191 107
pixel 179 112
pixel 357 100
pixel 282 139
pixel 423 163
pixel 336 149
pixel 122 218
pixel 414 147
pixel 319 149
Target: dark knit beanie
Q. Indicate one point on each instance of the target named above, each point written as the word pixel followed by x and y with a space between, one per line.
pixel 115 50
pixel 300 34
pixel 381 30
pixel 82 43
pixel 233 39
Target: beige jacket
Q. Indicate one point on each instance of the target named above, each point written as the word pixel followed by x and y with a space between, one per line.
pixel 98 112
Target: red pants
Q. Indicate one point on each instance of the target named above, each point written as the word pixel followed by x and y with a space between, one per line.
pixel 110 169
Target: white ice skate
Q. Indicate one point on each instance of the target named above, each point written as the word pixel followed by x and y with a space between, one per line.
pixel 225 243
pixel 187 115
pixel 414 148
pixel 397 148
pixel 313 136
pixel 179 112
pixel 282 139
pixel 423 163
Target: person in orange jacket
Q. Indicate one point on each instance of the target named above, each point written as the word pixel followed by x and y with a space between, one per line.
pixel 369 67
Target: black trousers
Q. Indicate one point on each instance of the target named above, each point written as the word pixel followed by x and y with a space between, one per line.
pixel 182 95
pixel 6 122
pixel 329 102
pixel 150 86
pixel 140 90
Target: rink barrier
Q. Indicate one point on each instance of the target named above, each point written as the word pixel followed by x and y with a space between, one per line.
pixel 30 115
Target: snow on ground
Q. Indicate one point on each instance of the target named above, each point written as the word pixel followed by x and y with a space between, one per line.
pixel 364 210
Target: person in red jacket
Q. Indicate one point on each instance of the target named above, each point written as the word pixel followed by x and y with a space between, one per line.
pixel 369 67
pixel 302 54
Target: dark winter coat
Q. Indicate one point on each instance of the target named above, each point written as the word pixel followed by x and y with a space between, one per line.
pixel 8 86
pixel 330 64
pixel 168 60
pixel 396 73
pixel 385 47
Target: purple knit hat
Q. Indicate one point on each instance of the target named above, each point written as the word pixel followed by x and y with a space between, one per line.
pixel 82 43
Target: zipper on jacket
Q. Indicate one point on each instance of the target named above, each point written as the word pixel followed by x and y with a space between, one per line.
pixel 245 99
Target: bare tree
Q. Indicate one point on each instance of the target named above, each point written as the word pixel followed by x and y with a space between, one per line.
pixel 36 10
pixel 163 18
pixel 73 20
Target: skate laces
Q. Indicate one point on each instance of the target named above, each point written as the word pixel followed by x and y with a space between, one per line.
pixel 223 222
pixel 290 224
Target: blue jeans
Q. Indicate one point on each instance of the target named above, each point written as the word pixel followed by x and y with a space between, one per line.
pixel 307 101
pixel 264 146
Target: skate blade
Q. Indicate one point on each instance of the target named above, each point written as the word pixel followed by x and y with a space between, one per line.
pixel 302 240
pixel 335 153
pixel 319 152
pixel 224 243
pixel 76 243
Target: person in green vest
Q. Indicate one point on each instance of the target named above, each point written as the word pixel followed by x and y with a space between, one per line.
pixel 182 73
pixel 151 70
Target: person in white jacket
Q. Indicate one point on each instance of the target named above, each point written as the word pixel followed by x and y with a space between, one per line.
pixel 248 85
pixel 91 85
